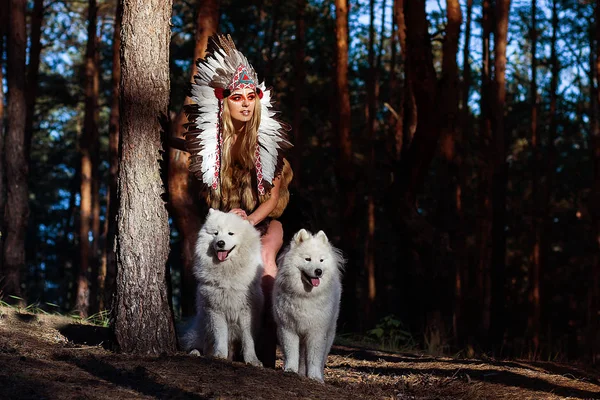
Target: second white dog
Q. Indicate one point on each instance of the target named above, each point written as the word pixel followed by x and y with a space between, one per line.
pixel 306 302
pixel 229 299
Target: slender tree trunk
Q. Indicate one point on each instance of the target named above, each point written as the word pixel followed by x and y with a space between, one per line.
pixel 108 270
pixel 537 198
pixel 17 203
pixel 500 176
pixel 551 159
pixel 87 144
pixel 37 18
pixel 270 43
pixel 143 317
pixel 3 31
pixel 300 76
pixel 182 197
pixel 450 208
pixel 594 291
pixel 463 315
pixel 405 131
pixel 484 214
pixel 344 165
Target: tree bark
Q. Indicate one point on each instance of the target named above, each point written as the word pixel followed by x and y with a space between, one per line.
pixel 143 318
pixel 500 176
pixel 17 203
pixel 108 270
pixel 183 199
pixel 537 198
pixel 87 148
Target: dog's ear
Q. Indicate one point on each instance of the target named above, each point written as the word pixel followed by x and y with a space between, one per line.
pixel 322 236
pixel 301 236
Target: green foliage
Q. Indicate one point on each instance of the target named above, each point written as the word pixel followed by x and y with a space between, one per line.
pixel 391 334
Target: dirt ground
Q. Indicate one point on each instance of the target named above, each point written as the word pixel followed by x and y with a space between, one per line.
pixel 54 357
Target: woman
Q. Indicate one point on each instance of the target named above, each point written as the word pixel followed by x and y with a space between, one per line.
pixel 236 150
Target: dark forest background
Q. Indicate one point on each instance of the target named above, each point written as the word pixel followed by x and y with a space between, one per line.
pixel 450 148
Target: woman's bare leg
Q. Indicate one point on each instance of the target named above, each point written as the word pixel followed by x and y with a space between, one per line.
pixel 271 243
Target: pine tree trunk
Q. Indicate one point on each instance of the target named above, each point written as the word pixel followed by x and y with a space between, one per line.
pixel 484 202
pixel 594 286
pixel 422 78
pixel 537 198
pixel 37 18
pixel 344 165
pixel 143 318
pixel 3 31
pixel 552 135
pixel 17 203
pixel 500 176
pixel 183 190
pixel 87 149
pixel 450 212
pixel 300 76
pixel 108 269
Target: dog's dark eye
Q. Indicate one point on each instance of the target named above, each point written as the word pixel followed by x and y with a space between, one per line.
pixel 321 260
pixel 230 233
pixel 307 258
pixel 215 233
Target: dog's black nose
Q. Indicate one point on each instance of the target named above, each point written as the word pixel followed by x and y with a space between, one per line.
pixel 318 272
pixel 221 243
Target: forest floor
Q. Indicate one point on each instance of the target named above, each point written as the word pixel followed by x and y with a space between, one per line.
pixel 54 357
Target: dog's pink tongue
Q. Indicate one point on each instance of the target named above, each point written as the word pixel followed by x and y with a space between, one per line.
pixel 222 255
pixel 315 281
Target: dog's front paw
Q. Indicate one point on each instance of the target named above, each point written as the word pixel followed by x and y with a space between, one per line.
pixel 255 362
pixel 221 355
pixel 316 377
pixel 194 352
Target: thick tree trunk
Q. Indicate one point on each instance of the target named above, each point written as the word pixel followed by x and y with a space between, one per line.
pixel 143 318
pixel 17 203
pixel 108 270
pixel 500 176
pixel 537 198
pixel 422 78
pixel 87 148
pixel 484 202
pixel 183 203
pixel 300 76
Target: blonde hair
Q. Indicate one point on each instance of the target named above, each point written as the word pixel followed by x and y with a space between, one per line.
pixel 236 186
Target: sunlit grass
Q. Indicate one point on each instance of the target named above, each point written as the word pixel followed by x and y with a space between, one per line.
pixel 101 318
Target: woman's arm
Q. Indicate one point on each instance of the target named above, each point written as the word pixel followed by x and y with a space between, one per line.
pixel 269 205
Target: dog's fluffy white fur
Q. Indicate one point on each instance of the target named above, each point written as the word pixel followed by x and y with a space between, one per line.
pixel 229 298
pixel 306 302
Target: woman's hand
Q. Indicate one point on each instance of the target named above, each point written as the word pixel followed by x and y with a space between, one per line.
pixel 240 212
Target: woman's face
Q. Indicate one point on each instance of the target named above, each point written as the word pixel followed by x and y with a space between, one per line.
pixel 241 104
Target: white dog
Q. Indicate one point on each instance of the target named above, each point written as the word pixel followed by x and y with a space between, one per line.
pixel 229 299
pixel 306 302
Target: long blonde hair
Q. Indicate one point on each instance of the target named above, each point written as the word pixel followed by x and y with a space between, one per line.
pixel 236 186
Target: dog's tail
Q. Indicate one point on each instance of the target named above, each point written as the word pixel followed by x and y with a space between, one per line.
pixel 190 336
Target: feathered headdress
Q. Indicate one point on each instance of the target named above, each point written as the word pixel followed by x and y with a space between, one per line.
pixel 223 70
